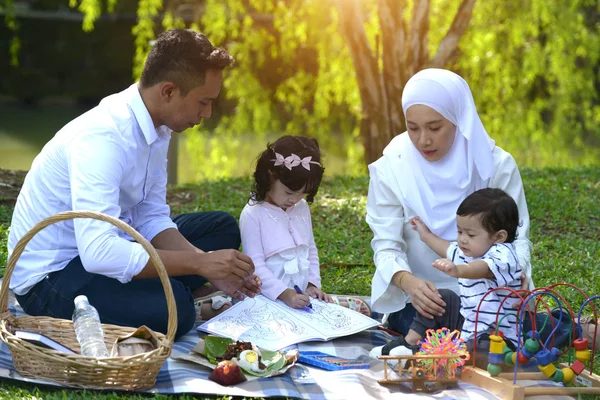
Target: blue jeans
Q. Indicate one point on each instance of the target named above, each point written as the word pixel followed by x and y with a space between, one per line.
pixel 401 321
pixel 140 301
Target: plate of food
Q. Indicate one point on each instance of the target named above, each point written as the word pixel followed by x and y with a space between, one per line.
pixel 235 361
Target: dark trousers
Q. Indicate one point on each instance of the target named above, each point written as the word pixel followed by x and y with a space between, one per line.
pixel 140 301
pixel 408 318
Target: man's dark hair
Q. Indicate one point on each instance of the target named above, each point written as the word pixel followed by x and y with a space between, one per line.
pixel 496 209
pixel 295 178
pixel 182 56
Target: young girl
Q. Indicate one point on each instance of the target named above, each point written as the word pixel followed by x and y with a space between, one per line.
pixel 276 226
pixel 482 258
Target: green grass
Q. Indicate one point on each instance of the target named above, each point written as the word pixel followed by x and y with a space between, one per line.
pixel 565 231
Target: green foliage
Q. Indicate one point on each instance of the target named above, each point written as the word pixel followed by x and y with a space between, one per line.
pixel 535 86
pixel 534 69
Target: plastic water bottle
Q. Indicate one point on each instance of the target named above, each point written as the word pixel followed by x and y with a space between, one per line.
pixel 88 329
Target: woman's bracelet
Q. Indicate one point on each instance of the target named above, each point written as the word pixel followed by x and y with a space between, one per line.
pixel 400 277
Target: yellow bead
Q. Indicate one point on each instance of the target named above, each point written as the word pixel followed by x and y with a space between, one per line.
pixel 582 355
pixel 514 358
pixel 547 370
pixel 568 375
pixel 497 347
pixel 496 338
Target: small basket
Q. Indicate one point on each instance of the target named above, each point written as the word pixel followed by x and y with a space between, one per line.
pixel 136 372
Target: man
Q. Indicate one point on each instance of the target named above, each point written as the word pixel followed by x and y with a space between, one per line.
pixel 113 160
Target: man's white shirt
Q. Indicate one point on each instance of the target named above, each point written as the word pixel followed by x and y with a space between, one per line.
pixel 110 160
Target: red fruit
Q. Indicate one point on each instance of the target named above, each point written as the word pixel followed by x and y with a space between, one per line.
pixel 227 373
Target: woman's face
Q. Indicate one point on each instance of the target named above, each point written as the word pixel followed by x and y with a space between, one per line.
pixel 429 132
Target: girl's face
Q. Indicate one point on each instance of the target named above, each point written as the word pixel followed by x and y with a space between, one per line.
pixel 473 240
pixel 282 196
pixel 429 132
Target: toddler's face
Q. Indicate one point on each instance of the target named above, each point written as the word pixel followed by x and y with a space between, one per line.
pixel 282 196
pixel 473 239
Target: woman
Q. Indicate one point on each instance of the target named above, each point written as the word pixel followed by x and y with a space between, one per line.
pixel 445 155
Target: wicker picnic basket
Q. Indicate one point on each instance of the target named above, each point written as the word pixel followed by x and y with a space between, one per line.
pixel 129 373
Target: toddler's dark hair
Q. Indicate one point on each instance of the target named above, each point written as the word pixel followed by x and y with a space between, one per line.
pixel 296 178
pixel 496 208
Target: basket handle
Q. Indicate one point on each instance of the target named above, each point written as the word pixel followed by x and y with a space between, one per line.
pixel 67 215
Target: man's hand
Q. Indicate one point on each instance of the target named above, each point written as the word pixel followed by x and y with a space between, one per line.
pixel 240 288
pixel 424 296
pixel 317 293
pixel 229 271
pixel 446 266
pixel 224 265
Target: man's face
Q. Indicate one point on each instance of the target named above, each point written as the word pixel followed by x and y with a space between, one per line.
pixel 185 112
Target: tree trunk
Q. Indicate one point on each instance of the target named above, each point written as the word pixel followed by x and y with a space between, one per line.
pixel 375 126
pixel 404 53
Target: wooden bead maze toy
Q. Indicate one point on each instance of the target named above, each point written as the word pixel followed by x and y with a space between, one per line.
pixel 573 376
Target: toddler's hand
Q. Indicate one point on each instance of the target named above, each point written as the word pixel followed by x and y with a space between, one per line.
pixel 446 266
pixel 418 225
pixel 293 299
pixel 317 293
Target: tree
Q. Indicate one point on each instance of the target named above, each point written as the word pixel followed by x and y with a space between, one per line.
pixel 404 51
pixel 335 69
pixel 301 76
pixel 534 68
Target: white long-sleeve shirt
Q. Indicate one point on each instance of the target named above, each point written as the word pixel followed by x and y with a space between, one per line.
pixel 398 248
pixel 110 160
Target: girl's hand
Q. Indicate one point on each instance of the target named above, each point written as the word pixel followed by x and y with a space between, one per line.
pixel 424 296
pixel 293 299
pixel 317 293
pixel 417 225
pixel 446 266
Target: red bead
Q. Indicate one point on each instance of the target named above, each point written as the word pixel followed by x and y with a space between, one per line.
pixel 580 344
pixel 577 367
pixel 501 334
pixel 522 358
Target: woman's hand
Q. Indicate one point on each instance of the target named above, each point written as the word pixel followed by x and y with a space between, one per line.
pixel 317 293
pixel 446 266
pixel 418 225
pixel 424 296
pixel 293 299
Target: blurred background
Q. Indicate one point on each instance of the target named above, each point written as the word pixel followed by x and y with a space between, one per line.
pixel 331 69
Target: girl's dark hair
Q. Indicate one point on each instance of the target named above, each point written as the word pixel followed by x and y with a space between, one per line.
pixel 296 178
pixel 497 211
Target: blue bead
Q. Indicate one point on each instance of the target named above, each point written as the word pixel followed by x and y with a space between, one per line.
pixel 544 357
pixel 496 358
pixel 536 335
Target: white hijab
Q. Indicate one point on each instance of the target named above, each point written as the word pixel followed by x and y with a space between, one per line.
pixel 435 189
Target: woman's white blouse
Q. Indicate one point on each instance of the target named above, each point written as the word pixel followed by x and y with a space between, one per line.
pixel 398 248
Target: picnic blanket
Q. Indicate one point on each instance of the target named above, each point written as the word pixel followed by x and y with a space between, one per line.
pixel 300 381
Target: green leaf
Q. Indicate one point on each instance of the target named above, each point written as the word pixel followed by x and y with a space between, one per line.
pixel 274 356
pixel 215 346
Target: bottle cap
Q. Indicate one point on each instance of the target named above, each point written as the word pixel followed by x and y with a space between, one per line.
pixel 81 301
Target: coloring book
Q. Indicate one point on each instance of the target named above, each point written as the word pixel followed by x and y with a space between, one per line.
pixel 272 325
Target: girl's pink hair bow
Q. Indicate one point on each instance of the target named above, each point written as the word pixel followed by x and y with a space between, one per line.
pixel 293 160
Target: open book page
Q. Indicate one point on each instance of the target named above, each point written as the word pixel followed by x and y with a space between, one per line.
pixel 273 325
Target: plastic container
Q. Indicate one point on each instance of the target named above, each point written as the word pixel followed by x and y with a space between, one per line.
pixel 86 322
pixel 329 362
